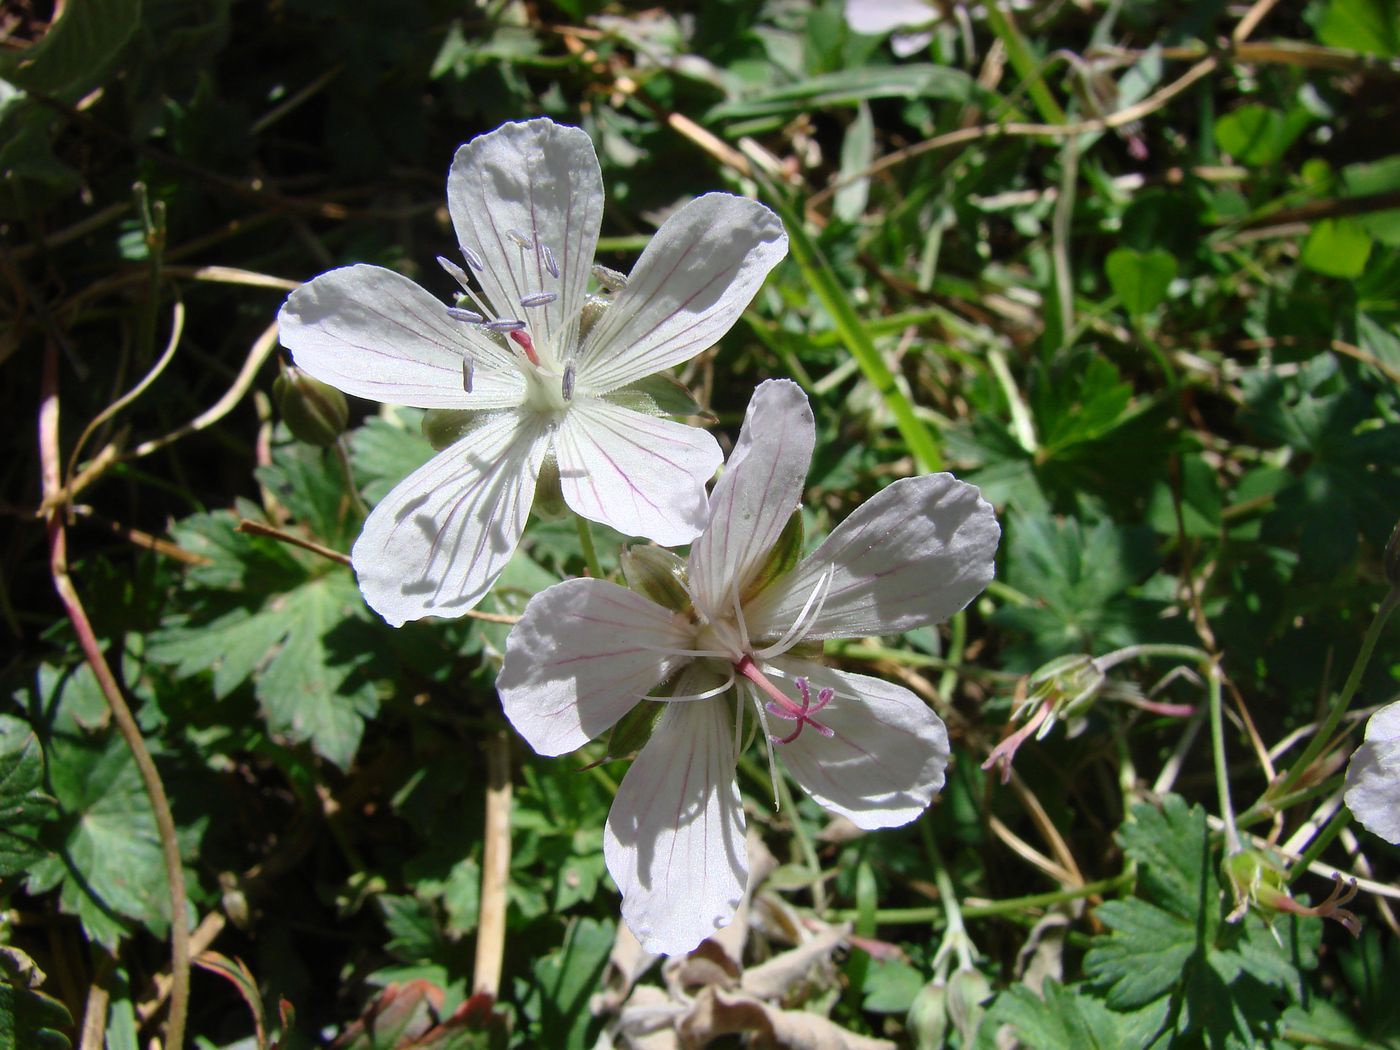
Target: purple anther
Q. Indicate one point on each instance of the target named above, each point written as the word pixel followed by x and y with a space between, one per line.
pixel 505 324
pixel 549 263
pixel 453 270
pixel 538 299
pixel 520 238
pixel 568 384
pixel 467 371
pixel 804 716
pixel 473 260
pixel 467 316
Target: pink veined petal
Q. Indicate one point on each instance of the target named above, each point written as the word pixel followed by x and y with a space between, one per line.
pixel 698 274
pixel 674 841
pixel 885 761
pixel 641 475
pixel 757 493
pixel 539 180
pixel 374 333
pixel 1373 776
pixel 437 542
pixel 582 656
pixel 913 554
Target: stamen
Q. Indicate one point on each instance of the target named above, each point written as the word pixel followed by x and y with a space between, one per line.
pixel 520 238
pixel 768 744
pixel 568 384
pixel 538 299
pixel 468 316
pixel 473 260
pixel 705 695
pixel 523 340
pixel 549 263
pixel 505 325
pixel 799 628
pixel 453 270
pixel 609 278
pixel 467 371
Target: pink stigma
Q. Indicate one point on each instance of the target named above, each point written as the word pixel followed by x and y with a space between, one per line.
pixel 523 340
pixel 782 706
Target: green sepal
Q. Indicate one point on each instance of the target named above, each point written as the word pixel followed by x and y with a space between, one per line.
pixel 781 560
pixel 661 393
pixel 314 412
pixel 656 573
pixel 634 729
pixel 549 495
pixel 447 426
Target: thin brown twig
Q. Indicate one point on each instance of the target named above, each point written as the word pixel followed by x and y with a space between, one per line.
pixel 1015 129
pixel 51 465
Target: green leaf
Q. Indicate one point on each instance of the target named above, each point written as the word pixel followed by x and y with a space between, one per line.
pixel 890 986
pixel 23 805
pixel 1140 279
pixel 387 450
pixel 1077 576
pixel 1337 248
pixel 105 855
pixel 1254 135
pixel 556 1001
pixel 1372 26
pixel 1071 1017
pixel 1381 176
pixel 77 48
pixel 29 1019
pixel 850 87
pixel 857 151
pixel 297 627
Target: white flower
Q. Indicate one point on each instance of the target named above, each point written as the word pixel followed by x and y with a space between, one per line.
pixel 907 18
pixel 1373 776
pixel 527 346
pixel 587 651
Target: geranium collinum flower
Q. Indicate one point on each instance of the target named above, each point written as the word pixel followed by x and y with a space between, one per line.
pixel 587 651
pixel 545 366
pixel 1373 776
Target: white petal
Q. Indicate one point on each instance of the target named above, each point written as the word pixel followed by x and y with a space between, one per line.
pixel 582 656
pixel 700 271
pixel 756 494
pixel 541 180
pixel 913 554
pixel 674 841
pixel 880 16
pixel 374 333
pixel 1373 776
pixel 437 542
pixel 641 475
pixel 905 44
pixel 886 760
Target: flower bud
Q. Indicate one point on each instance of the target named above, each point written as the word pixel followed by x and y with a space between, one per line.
pixel 927 1019
pixel 967 991
pixel 656 573
pixel 446 426
pixel 1070 683
pixel 1258 882
pixel 313 411
pixel 782 558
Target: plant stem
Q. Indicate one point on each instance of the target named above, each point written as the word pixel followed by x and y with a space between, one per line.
pixel 1323 739
pixel 1222 772
pixel 897 916
pixel 585 541
pixel 50 459
pixel 1027 67
pixel 1340 818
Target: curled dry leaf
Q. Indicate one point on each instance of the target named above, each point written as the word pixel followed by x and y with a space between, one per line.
pixel 717 1012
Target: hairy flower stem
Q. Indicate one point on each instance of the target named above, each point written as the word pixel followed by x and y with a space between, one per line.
pixel 1336 823
pixel 590 552
pixel 121 714
pixel 1222 772
pixel 1273 796
pixel 1009 906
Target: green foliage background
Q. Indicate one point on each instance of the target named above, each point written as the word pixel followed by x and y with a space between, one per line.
pixel 1168 351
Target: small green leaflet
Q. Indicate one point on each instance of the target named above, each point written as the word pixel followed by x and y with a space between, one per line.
pixel 23 805
pixel 1171 945
pixel 1069 1017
